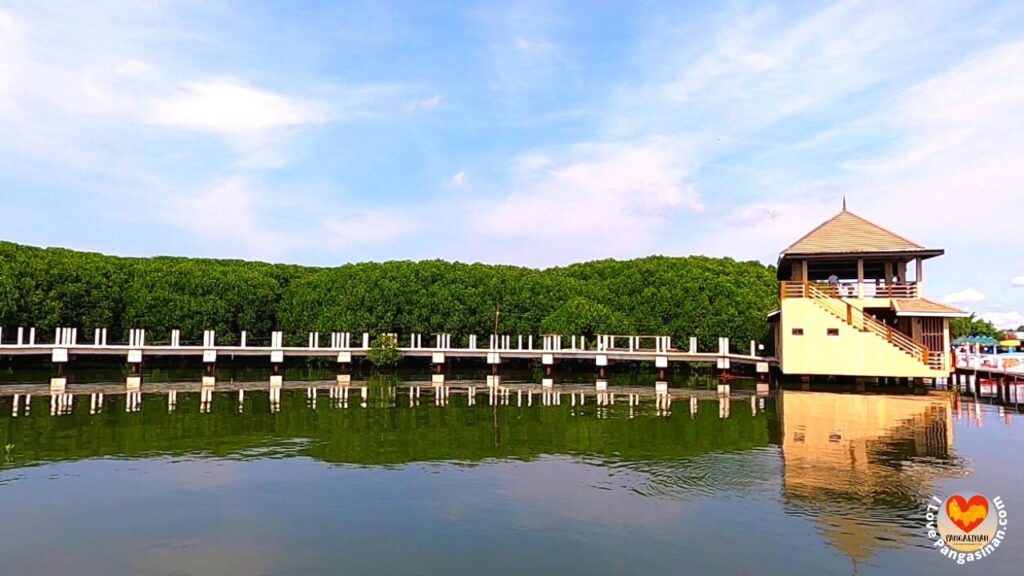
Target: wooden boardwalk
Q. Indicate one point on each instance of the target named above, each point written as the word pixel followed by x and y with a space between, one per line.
pixel 602 351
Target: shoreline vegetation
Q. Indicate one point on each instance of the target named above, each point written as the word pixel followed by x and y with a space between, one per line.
pixel 681 297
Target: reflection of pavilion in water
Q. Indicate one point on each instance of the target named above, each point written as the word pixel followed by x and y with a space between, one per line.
pixel 861 465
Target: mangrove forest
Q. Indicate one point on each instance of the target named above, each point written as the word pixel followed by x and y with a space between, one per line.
pixel 689 296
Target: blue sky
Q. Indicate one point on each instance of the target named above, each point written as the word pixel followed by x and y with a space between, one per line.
pixel 534 133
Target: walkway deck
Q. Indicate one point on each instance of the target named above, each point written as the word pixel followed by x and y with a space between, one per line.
pixel 606 349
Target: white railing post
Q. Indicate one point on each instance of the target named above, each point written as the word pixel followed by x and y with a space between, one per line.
pixel 241 343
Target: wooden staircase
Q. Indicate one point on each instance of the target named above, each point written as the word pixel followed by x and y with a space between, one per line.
pixel 864 322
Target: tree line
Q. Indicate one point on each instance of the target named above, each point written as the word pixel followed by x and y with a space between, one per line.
pixel 691 296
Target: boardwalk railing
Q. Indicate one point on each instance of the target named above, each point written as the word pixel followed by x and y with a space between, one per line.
pixel 345 345
pixel 850 289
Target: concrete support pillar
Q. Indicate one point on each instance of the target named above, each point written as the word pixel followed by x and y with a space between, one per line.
pixel 135 361
pixel 602 362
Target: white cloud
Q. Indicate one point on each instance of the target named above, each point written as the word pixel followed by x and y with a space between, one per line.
pixel 593 200
pixel 967 296
pixel 460 179
pixel 227 215
pixel 1018 281
pixel 230 107
pixel 1004 320
pixel 235 217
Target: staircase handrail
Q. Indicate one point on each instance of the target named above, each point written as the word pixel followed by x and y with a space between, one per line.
pixel 867 322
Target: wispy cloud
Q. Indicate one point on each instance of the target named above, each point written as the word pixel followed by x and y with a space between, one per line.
pixel 235 217
pixel 430 103
pixel 571 199
pixel 1018 282
pixel 460 179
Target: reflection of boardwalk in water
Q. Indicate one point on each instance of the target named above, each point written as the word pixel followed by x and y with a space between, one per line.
pixel 374 424
pixel 861 465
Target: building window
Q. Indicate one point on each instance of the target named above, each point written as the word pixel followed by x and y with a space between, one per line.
pixel 798 331
pixel 833 331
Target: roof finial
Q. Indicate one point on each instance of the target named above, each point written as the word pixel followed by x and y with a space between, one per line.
pixel 844 202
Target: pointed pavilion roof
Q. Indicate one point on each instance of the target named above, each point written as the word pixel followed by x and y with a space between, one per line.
pixel 848 233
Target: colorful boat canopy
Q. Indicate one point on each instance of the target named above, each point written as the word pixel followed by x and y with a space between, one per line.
pixel 982 340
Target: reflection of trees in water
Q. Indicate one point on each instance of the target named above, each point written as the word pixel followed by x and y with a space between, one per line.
pixel 861 466
pixel 373 436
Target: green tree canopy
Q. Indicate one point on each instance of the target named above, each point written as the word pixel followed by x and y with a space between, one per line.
pixel 678 297
pixel 973 326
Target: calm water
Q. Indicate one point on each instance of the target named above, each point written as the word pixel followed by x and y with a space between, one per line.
pixel 793 483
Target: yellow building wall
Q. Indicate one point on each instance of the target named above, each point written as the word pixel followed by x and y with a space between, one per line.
pixel 851 353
